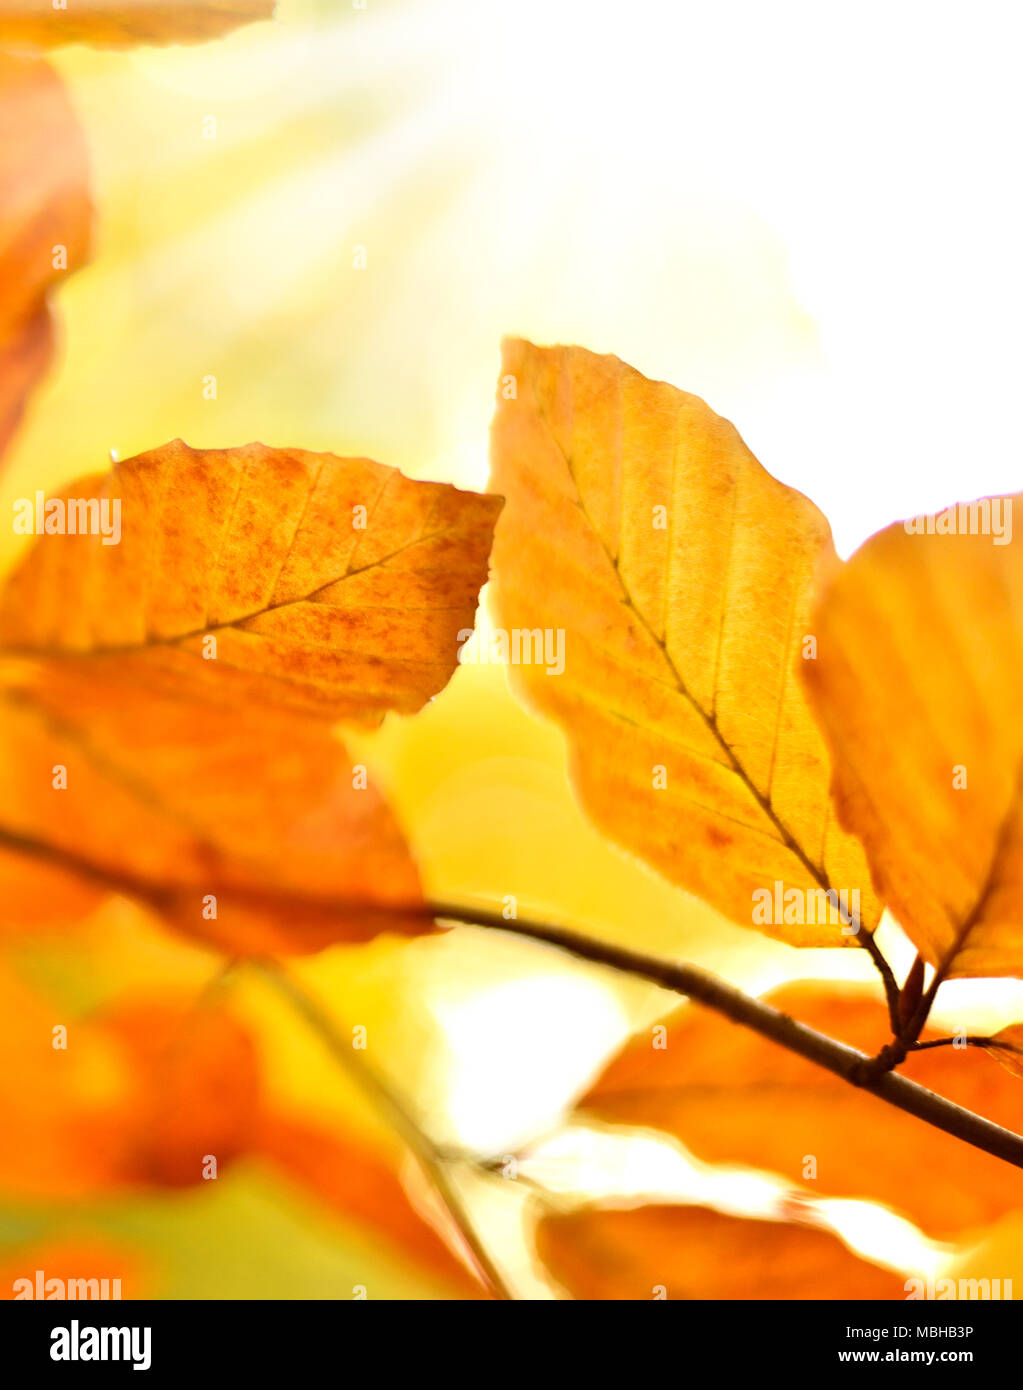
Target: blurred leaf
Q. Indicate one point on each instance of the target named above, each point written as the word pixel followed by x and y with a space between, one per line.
pixel 120 23
pixel 693 1253
pixel 136 1095
pixel 733 1097
pixel 360 1182
pixel 245 828
pixel 38 893
pixel 918 688
pixel 45 217
pixel 682 574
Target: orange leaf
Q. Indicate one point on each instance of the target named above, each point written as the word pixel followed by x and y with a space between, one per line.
pixel 692 1253
pixel 40 893
pixel 355 1180
pixel 731 1096
pixel 681 574
pixel 247 828
pixel 139 1095
pixel 44 222
pixel 334 585
pixel 194 1089
pixel 918 687
pixel 120 23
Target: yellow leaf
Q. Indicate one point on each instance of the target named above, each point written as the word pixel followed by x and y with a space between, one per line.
pixel 919 689
pixel 337 586
pixel 677 1252
pixel 681 574
pixel 731 1096
pixel 120 23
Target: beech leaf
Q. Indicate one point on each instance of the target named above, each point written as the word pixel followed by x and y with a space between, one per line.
pixel 919 689
pixel 682 575
pixel 336 586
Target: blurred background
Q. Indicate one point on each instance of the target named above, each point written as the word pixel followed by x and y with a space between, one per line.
pixel 806 214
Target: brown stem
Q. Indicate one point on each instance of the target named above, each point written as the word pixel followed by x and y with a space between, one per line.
pixel 871 1074
pixel 706 989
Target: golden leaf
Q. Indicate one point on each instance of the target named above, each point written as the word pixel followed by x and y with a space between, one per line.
pixel 675 1252
pixel 919 690
pixel 682 575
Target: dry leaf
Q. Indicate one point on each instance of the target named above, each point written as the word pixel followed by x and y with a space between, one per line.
pixel 682 575
pixel 678 1252
pixel 249 829
pixel 334 585
pixel 45 219
pixel 733 1097
pixel 122 23
pixel 358 1182
pixel 919 689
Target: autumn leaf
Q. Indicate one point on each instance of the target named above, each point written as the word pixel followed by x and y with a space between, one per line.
pixel 45 210
pixel 357 1181
pixel 676 1252
pixel 918 688
pixel 336 586
pixel 134 1096
pixel 149 742
pixel 248 829
pixel 120 23
pixel 45 217
pixel 682 575
pixel 146 1091
pixel 731 1096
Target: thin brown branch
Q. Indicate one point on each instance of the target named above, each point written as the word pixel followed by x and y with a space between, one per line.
pixel 873 1074
pixel 703 988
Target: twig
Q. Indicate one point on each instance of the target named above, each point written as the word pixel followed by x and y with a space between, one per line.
pixel 871 1074
pixel 706 989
